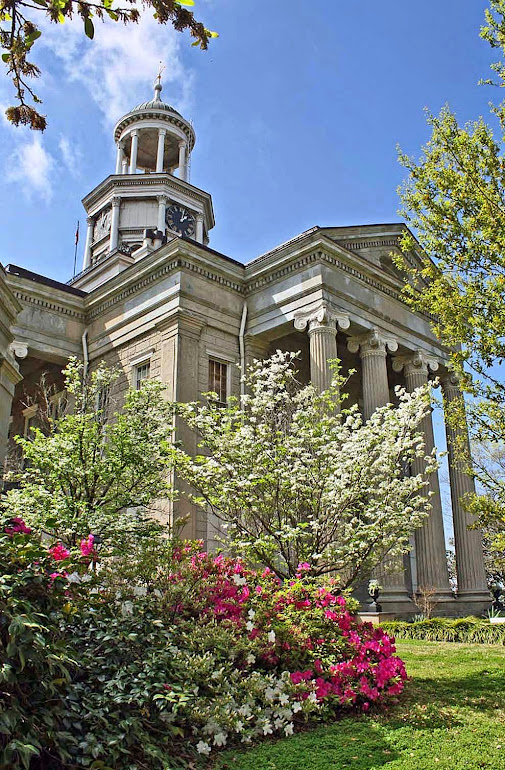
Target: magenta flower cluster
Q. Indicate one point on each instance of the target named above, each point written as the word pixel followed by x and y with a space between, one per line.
pixel 301 627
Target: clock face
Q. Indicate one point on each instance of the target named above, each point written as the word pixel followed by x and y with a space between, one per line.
pixel 180 220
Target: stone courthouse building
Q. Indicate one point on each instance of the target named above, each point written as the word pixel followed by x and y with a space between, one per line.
pixel 155 299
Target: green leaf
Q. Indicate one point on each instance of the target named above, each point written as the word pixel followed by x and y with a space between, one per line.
pixel 6 57
pixel 185 2
pixel 89 28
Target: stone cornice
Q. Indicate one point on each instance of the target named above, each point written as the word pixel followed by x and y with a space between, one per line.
pixel 175 257
pixel 28 293
pixel 115 183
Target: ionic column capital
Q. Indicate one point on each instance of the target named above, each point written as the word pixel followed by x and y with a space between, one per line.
pixel 18 349
pixel 418 362
pixel 182 143
pixel 90 221
pixel 373 342
pixel 134 132
pixel 321 318
pixel 115 201
pixel 162 200
pixel 162 131
pixel 451 382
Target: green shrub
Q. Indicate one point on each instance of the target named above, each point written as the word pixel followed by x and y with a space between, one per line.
pixel 465 630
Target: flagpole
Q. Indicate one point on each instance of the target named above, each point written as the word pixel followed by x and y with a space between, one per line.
pixel 75 250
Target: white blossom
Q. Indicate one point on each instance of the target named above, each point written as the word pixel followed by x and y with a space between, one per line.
pixel 203 748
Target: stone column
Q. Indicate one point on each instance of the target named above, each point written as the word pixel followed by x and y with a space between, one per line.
pixel 322 328
pixel 183 167
pixel 133 151
pixel 472 583
pixel 373 347
pixel 114 224
pixel 430 539
pixel 119 160
pixel 124 166
pixel 161 150
pixel 162 204
pixel 89 242
pixel 199 228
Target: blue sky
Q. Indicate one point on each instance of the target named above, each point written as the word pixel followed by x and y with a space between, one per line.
pixel 297 107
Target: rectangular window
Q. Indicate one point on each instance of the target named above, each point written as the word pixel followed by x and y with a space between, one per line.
pixel 141 374
pixel 218 377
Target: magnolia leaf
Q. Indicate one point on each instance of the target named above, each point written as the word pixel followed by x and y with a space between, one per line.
pixel 89 28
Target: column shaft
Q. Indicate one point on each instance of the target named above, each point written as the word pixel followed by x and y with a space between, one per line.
pixel 375 380
pixel 133 151
pixel 161 150
pixel 468 542
pixel 119 160
pixel 183 169
pixel 323 347
pixel 199 228
pixel 430 539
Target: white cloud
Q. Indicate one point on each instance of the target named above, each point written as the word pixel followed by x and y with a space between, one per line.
pixel 71 155
pixel 119 66
pixel 32 166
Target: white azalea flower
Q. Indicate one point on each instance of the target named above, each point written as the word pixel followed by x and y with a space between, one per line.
pixel 249 625
pixel 288 730
pixel 251 614
pixel 297 706
pixel 251 659
pixel 271 636
pixel 203 748
pixel 220 739
pixel 239 580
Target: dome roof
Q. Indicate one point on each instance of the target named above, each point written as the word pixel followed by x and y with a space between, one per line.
pixel 154 104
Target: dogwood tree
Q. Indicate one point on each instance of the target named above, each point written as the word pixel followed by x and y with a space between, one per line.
pixel 97 467
pixel 295 479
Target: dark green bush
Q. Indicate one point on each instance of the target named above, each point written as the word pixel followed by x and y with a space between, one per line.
pixel 468 630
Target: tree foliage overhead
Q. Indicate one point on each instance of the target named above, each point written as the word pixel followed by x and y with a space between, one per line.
pixel 454 199
pixel 19 31
pixel 294 480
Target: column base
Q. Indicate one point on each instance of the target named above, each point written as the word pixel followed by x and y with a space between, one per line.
pixel 473 602
pixel 395 602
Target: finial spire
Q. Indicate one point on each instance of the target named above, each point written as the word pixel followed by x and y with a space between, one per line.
pixel 157 86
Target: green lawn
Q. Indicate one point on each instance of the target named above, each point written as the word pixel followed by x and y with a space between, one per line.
pixel 451 717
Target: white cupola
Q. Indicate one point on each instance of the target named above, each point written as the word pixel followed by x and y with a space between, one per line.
pixel 149 198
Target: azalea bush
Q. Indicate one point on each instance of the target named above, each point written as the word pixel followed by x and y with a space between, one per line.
pixel 160 657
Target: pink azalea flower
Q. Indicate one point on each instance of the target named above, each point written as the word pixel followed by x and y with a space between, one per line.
pixel 17 525
pixel 59 552
pixel 87 545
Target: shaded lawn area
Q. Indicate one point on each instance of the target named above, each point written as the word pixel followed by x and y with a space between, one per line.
pixel 451 717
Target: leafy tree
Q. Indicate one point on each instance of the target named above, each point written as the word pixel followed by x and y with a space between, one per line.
pixel 19 32
pixel 454 199
pixel 296 481
pixel 95 470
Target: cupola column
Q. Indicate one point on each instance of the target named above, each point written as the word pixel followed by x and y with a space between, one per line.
pixel 89 242
pixel 133 151
pixel 114 224
pixel 161 150
pixel 183 161
pixel 120 157
pixel 162 207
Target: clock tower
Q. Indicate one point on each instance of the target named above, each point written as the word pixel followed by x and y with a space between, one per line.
pixel 149 199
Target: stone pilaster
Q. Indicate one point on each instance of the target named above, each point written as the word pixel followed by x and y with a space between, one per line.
pixel 373 348
pixel 162 208
pixel 114 224
pixel 472 584
pixel 430 539
pixel 322 329
pixel 89 242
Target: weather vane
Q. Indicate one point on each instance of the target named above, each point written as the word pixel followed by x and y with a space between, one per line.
pixel 160 70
